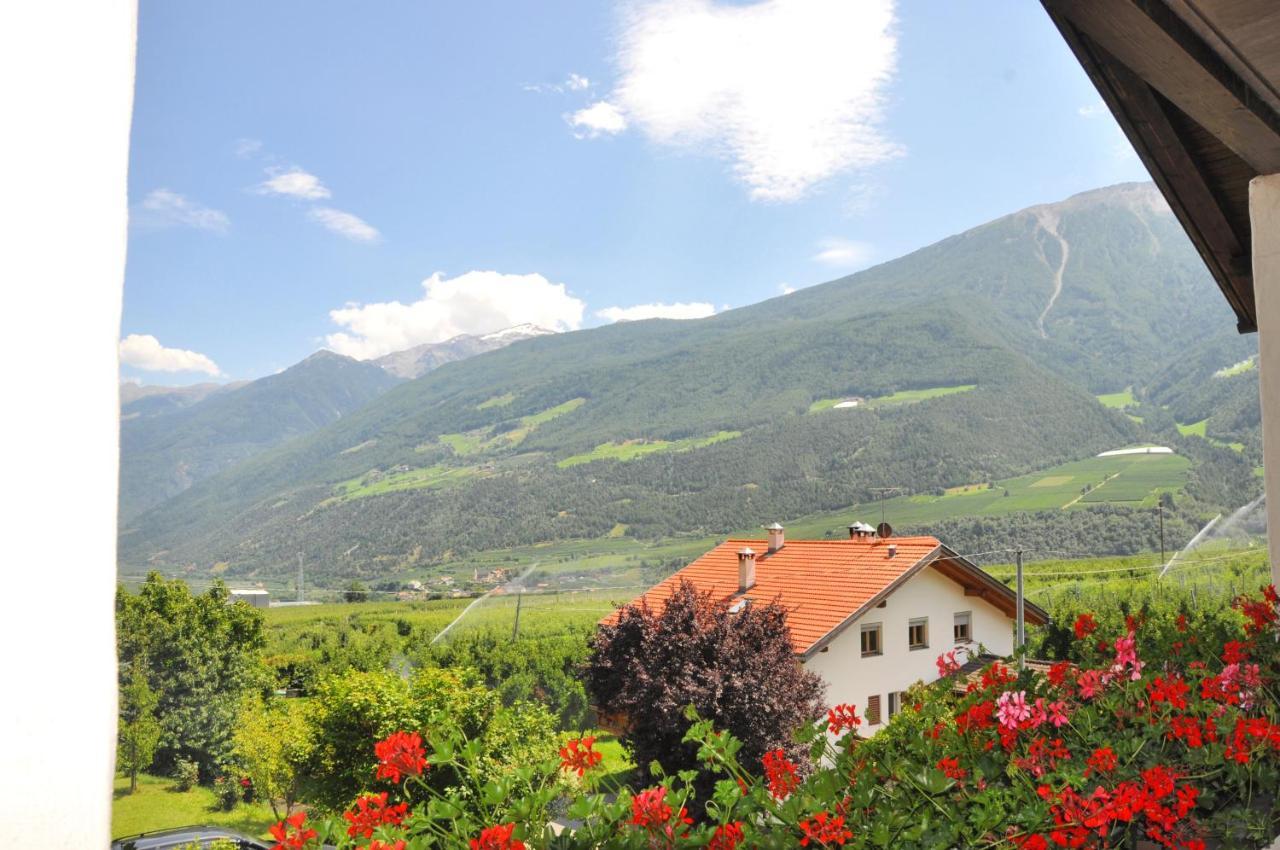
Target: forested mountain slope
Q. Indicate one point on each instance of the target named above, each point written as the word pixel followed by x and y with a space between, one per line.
pixel 973 359
pixel 162 455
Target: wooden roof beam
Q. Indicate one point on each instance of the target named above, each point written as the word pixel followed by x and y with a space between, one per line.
pixel 1158 46
pixel 1144 119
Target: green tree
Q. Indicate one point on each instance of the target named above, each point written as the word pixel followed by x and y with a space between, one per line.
pixel 139 728
pixel 272 741
pixel 354 709
pixel 200 653
pixel 356 592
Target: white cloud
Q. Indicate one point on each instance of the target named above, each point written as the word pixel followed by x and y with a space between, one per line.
pixel 294 183
pixel 573 82
pixel 344 224
pixel 600 118
pixel 790 91
pixel 163 208
pixel 477 302
pixel 786 288
pixel 247 148
pixel 1092 110
pixel 842 253
pixel 691 310
pixel 144 351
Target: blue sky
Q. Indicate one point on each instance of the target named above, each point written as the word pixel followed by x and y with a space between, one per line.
pixel 369 176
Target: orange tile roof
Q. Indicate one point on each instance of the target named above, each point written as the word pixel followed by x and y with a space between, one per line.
pixel 820 582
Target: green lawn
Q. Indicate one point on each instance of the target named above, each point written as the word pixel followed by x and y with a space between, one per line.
pixel 154 806
pixel 632 449
pixel 1119 400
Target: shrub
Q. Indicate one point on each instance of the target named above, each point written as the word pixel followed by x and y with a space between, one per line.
pixel 186 774
pixel 354 708
pixel 737 669
pixel 227 791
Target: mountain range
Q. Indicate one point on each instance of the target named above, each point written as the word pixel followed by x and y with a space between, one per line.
pixel 973 359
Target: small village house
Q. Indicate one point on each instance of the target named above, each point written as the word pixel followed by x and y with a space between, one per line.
pixel 255 597
pixel 870 614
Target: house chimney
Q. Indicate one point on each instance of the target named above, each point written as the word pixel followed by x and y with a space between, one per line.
pixel 775 536
pixel 860 531
pixel 893 549
pixel 746 569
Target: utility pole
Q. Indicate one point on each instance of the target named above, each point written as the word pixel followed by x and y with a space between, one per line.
pixel 515 630
pixel 1021 620
pixel 1160 508
pixel 301 597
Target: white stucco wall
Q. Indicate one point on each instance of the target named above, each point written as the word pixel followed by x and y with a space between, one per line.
pixel 851 678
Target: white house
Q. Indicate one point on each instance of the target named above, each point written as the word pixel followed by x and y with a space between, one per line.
pixel 869 614
pixel 255 597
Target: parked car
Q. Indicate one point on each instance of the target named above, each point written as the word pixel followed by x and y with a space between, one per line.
pixel 185 836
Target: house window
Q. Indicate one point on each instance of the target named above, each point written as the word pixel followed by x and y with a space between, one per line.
pixel 917 638
pixel 871 643
pixel 963 633
pixel 895 703
pixel 873 710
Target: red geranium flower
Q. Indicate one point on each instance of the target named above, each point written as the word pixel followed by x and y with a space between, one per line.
pixel 726 837
pixel 842 717
pixel 372 811
pixel 825 829
pixel 650 811
pixel 578 755
pixel 1103 760
pixel 782 774
pixel 400 753
pixel 497 838
pixel 287 839
pixel 951 767
pixel 376 844
pixel 1085 626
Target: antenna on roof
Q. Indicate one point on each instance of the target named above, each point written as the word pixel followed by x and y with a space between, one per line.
pixel 881 492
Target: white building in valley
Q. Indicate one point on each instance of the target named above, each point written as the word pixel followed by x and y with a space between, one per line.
pixel 869 614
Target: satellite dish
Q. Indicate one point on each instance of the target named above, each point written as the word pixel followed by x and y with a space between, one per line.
pixel 884 530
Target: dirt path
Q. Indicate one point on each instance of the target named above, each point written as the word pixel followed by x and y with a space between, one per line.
pixel 1048 222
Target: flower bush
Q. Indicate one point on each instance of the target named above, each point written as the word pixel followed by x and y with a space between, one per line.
pixel 1127 743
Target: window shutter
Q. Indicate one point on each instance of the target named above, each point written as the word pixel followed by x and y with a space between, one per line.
pixel 873 709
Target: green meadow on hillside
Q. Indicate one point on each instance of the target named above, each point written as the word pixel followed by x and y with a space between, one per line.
pixel 1129 479
pixel 1120 400
pixel 632 449
pixel 893 399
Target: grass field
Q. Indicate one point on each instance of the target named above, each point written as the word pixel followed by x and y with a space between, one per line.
pixel 903 397
pixel 632 449
pixel 1240 368
pixel 484 439
pixel 155 806
pixel 1195 429
pixel 1130 479
pixel 426 477
pixel 1120 400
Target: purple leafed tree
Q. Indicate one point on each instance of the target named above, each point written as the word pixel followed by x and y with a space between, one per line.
pixel 737 669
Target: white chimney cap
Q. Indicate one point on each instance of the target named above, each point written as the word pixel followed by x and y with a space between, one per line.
pixel 746 551
pixel 775 526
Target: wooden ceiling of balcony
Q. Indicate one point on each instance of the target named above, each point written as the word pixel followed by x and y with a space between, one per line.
pixel 1195 85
